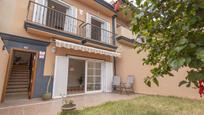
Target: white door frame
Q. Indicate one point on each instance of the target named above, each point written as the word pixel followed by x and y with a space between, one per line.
pixel 96 91
pixel 86 63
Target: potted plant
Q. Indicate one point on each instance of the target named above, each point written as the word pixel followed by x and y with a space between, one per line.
pixel 81 81
pixel 68 105
pixel 47 95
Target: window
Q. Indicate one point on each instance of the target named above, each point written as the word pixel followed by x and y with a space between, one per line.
pixel 96 29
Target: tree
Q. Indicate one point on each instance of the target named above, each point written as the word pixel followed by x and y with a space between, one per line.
pixel 174 35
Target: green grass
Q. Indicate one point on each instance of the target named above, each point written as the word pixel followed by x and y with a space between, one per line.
pixel 146 105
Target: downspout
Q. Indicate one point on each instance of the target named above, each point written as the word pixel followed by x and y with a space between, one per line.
pixel 114 40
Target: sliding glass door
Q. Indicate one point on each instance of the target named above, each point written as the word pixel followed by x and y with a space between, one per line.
pixel 94 76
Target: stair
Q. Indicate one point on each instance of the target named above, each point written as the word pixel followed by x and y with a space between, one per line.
pixel 18 82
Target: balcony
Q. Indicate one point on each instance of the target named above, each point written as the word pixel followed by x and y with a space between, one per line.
pixel 55 20
pixel 125 36
pixel 123 31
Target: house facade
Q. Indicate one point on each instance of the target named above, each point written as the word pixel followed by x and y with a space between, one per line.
pixel 70 47
pixel 68 44
pixel 131 63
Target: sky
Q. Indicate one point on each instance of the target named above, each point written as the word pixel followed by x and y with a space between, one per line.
pixel 109 0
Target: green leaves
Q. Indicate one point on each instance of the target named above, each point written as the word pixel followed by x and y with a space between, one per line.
pixel 175 64
pixel 147 82
pixel 200 54
pixel 174 37
pixel 195 75
pixel 138 2
pixel 155 81
pixel 182 83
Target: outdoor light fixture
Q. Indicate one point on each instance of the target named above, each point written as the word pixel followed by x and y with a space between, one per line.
pixel 53 49
pixel 52 43
pixel 3 48
pixel 71 69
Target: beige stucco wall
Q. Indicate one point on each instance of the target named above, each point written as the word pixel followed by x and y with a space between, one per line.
pixel 50 57
pixel 13 14
pixel 130 63
pixel 3 66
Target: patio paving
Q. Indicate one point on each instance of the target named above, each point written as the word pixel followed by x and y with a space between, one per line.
pixel 53 107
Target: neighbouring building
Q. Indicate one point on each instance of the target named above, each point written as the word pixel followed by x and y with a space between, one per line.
pixel 131 63
pixel 77 44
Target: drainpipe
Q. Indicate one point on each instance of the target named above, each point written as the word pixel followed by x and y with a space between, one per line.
pixel 114 40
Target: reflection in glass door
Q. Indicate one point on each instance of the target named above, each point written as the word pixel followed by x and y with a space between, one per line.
pixel 93 76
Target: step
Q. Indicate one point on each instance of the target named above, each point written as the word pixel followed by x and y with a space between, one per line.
pixel 20 74
pixel 19 77
pixel 16 90
pixel 18 83
pixel 17 74
pixel 20 68
pixel 16 93
pixel 20 71
pixel 17 86
pixel 19 65
pixel 18 80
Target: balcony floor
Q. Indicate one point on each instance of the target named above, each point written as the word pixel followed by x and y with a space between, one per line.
pixel 53 107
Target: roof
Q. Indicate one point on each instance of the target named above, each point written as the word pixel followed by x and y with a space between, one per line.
pixel 106 4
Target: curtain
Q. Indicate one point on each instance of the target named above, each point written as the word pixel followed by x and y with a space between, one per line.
pixel 105 34
pixel 88 26
pixel 70 20
pixel 40 12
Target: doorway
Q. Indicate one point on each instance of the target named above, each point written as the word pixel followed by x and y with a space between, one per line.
pixel 96 29
pixel 76 76
pixel 19 83
pixel 56 15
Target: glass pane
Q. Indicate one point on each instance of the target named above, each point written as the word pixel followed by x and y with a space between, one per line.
pixel 90 65
pixel 90 87
pixel 97 86
pixel 97 80
pixel 98 72
pixel 98 65
pixel 90 80
pixel 93 76
pixel 90 71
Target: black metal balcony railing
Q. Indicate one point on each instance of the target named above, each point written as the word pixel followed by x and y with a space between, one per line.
pixel 58 20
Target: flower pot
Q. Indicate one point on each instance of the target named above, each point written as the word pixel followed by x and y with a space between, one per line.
pixel 46 96
pixel 68 107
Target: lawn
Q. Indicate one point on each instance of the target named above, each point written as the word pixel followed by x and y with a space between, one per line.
pixel 146 105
